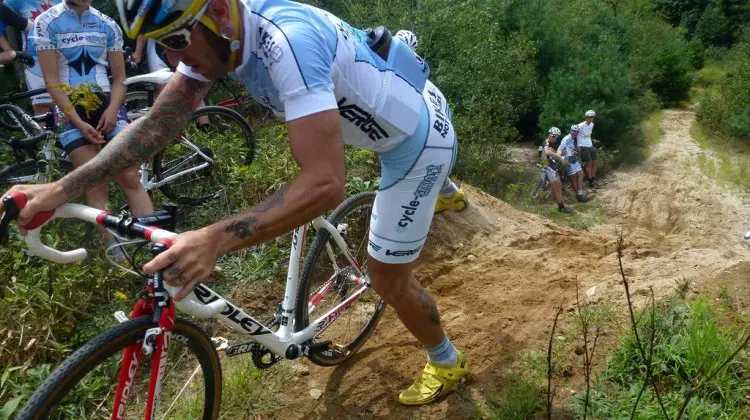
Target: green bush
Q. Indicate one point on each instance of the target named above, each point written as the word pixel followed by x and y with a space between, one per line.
pixel 725 107
pixel 661 61
pixel 714 27
pixel 689 345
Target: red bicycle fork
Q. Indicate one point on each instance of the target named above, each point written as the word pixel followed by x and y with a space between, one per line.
pixel 155 344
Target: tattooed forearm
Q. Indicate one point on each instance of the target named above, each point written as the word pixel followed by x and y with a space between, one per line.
pixel 248 223
pixel 242 228
pixel 142 139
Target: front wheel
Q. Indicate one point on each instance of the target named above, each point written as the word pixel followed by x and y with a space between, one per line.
pixel 33 172
pixel 84 385
pixel 328 279
pixel 202 162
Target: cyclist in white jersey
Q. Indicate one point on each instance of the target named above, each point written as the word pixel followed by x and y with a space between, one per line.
pixel 567 150
pixel 332 89
pixel 589 154
pixel 451 196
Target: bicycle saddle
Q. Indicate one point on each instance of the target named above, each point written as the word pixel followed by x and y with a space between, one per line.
pixel 158 77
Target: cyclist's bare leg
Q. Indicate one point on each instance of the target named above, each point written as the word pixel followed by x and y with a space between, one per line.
pixel 140 202
pixel 557 190
pixel 593 169
pixel 578 181
pixel 95 196
pixel 396 284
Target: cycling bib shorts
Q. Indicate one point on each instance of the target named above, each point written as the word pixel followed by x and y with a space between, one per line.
pixel 411 177
pixel 71 138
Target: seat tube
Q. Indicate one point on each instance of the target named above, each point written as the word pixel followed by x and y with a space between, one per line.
pixel 292 281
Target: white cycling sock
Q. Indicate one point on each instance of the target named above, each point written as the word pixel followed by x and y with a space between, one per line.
pixel 444 354
pixel 449 188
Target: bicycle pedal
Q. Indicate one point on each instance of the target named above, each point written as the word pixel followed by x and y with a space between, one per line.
pixel 121 317
pixel 220 343
pixel 338 348
pixel 318 348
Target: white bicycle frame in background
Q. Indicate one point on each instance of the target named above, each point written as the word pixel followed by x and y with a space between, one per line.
pixel 161 77
pixel 205 303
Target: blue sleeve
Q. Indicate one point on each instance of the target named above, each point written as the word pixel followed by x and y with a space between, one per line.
pixel 114 35
pixel 2 28
pixel 43 34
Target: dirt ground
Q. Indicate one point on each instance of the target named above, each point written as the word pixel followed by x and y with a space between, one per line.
pixel 498 274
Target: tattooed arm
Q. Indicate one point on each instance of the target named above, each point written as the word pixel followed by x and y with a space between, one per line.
pixel 142 139
pixel 318 148
pixel 137 143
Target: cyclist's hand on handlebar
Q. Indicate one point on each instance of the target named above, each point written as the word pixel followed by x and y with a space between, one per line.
pixel 189 261
pixel 41 198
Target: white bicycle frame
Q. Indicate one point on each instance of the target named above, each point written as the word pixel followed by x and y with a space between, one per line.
pixel 205 303
pixel 46 154
pixel 160 77
pixel 150 184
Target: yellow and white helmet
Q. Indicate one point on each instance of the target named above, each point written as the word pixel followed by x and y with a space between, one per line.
pixel 169 22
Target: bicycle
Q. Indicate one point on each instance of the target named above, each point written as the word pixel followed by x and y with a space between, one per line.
pixel 328 312
pixel 188 171
pixel 36 158
pixel 209 135
pixel 542 190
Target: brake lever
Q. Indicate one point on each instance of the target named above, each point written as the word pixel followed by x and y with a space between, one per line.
pixel 11 212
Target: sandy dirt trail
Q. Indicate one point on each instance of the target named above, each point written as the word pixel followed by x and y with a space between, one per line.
pixel 498 274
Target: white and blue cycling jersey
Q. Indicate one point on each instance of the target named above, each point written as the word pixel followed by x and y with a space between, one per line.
pixel 299 60
pixel 30 9
pixel 81 44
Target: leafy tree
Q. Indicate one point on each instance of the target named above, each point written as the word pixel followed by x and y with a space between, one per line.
pixel 714 27
pixel 661 61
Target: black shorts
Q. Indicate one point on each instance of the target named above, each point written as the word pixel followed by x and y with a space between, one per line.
pixel 588 154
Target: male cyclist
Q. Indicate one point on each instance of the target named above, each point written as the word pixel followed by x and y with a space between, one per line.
pixel 551 162
pixel 30 10
pixel 567 150
pixel 332 88
pixel 588 152
pixel 451 196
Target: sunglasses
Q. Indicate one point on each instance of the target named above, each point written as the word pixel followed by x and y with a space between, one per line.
pixel 179 39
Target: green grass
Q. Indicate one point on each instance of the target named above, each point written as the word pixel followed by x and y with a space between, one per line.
pixel 689 345
pixel 729 162
pixel 48 310
pixel 705 80
pixel 522 399
pixel 652 130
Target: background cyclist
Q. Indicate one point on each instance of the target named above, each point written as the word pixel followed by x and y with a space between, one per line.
pixel 567 150
pixel 451 196
pixel 300 60
pixel 551 161
pixel 588 152
pixel 30 10
pixel 9 17
pixel 76 44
